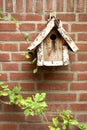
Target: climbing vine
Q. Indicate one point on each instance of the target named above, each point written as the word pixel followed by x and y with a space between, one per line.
pixel 31 105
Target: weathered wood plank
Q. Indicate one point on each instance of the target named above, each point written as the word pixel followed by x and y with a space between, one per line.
pixel 40 55
pixel 65 55
pixel 54 63
pixel 42 35
pixel 67 38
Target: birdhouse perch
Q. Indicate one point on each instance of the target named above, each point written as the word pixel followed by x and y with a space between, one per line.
pixel 52 45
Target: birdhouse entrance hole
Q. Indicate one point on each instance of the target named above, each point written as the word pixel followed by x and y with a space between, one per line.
pixel 53 37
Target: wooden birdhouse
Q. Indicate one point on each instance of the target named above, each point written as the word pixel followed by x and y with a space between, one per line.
pixel 52 45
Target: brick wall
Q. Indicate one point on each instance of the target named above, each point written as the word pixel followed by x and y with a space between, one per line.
pixel 66 87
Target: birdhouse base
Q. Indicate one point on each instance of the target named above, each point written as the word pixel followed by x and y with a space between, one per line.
pixel 52 63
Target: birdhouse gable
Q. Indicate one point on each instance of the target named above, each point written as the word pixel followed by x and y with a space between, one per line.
pixel 67 38
pixel 58 26
pixel 42 35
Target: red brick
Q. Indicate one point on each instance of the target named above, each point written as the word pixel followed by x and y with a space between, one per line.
pixel 8 47
pixel 55 106
pixel 83 17
pixel 9 5
pixel 1 4
pixel 72 57
pixel 79 86
pixel 36 119
pixel 49 5
pixel 0 107
pixel 65 26
pixel 27 67
pixel 12 117
pixel 60 97
pixel 83 97
pixel 32 36
pixel 82 57
pixel 79 27
pixel 79 107
pixel 11 84
pixel 7 27
pixel 39 6
pixel 19 16
pixel 11 37
pixel 4 126
pixel 82 47
pixel 79 67
pixel 27 86
pixel 80 5
pixel 82 76
pixel 58 76
pixel 19 5
pixel 32 126
pixel 12 108
pixel 23 46
pixel 70 5
pixel 82 118
pixel 27 17
pixel 9 66
pixel 82 37
pixel 72 36
pixel 63 17
pixel 29 5
pixel 18 57
pixel 61 68
pixel 24 76
pixel 27 27
pixel 3 76
pixel 59 4
pixel 50 86
pixel 4 57
pixel 40 26
pixel 66 17
pixel 33 17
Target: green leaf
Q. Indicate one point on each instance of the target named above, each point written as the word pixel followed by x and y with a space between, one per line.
pixel 67 112
pixel 1 83
pixel 34 60
pixel 16 89
pixel 15 21
pixel 1 10
pixel 52 128
pixel 26 37
pixel 35 70
pixel 27 56
pixel 4 86
pixel 73 122
pixel 39 97
pixel 55 121
pixel 6 18
pixel 65 121
pixel 23 53
pixel 4 94
pixel 58 129
pixel 64 127
pixel 28 112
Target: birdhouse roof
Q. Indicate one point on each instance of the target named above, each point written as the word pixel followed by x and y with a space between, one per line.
pixel 50 25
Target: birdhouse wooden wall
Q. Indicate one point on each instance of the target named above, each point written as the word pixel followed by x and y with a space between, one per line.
pixel 53 50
